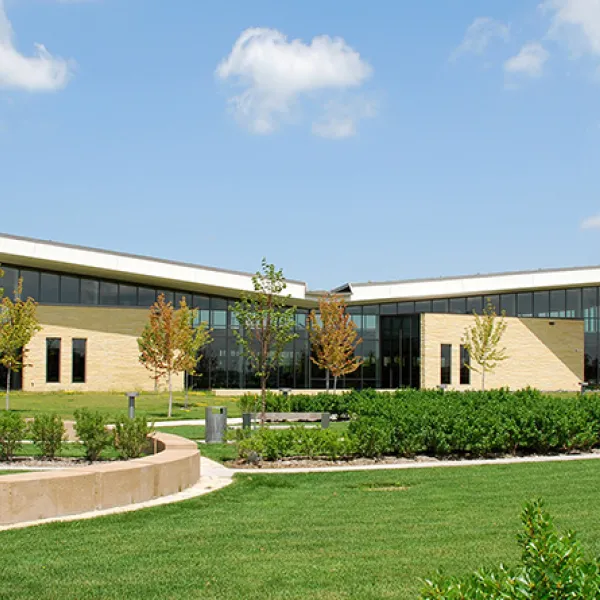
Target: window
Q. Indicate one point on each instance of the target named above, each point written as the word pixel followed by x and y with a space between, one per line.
pixel 109 293
pixel 494 300
pixel 475 305
pixel 458 306
pixel 146 297
pixel 79 352
pixel 90 292
pixel 406 308
pixel 31 284
pixel 541 304
pixel 9 280
pixel 557 303
pixel 446 364
pixel 127 295
pixel 69 289
pixel 525 304
pixel 52 360
pixel 508 304
pixel 423 306
pixel 389 309
pixel 440 306
pixel 49 288
pixel 465 372
pixel 169 296
pixel 573 304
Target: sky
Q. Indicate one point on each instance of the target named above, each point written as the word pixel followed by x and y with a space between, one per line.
pixel 344 140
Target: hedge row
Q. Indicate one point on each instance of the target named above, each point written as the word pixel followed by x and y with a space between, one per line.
pixel 336 404
pixel 437 423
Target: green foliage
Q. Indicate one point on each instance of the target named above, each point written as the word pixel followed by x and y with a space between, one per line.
pixel 437 423
pixel 553 567
pixel 48 433
pixel 295 442
pixel 336 404
pixel 130 436
pixel 12 432
pixel 90 427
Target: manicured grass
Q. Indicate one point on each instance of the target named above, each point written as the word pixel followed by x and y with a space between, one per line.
pixel 219 452
pixel 192 432
pixel 155 406
pixel 11 472
pixel 69 450
pixel 368 535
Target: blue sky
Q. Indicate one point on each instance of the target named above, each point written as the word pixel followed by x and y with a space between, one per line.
pixel 417 139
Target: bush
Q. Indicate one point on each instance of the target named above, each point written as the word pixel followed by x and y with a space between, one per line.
pixel 12 432
pixel 130 436
pixel 336 404
pixel 552 567
pixel 91 430
pixel 295 442
pixel 488 423
pixel 48 433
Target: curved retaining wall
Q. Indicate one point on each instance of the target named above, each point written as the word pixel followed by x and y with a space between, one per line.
pixel 41 495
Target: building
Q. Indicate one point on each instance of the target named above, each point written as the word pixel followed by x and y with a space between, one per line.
pixel 94 303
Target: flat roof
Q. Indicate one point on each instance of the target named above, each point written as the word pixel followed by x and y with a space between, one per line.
pixel 157 272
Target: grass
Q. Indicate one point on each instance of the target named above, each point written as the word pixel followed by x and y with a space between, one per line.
pixel 155 406
pixel 367 535
pixel 69 450
pixel 12 472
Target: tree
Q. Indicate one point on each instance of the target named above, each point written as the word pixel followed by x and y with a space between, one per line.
pixel 18 324
pixel 333 338
pixel 170 343
pixel 266 325
pixel 482 341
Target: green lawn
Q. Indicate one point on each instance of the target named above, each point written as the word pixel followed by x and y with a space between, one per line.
pixel 70 450
pixel 12 472
pixel 153 405
pixel 368 535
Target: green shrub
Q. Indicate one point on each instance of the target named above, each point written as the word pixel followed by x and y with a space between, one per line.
pixel 487 423
pixel 295 442
pixel 91 430
pixel 553 567
pixel 336 404
pixel 48 433
pixel 130 436
pixel 12 432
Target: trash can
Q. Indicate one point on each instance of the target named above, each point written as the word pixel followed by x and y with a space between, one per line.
pixel 215 424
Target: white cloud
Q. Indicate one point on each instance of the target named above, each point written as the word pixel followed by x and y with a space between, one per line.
pixel 576 22
pixel 276 73
pixel 38 73
pixel 478 36
pixel 591 222
pixel 529 61
pixel 339 119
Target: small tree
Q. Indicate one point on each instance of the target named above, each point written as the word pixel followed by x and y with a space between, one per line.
pixel 266 325
pixel 482 341
pixel 333 338
pixel 170 343
pixel 18 324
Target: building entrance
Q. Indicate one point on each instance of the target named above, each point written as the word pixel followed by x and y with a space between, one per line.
pixel 400 351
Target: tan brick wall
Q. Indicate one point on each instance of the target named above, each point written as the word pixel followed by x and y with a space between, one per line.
pixel 541 355
pixel 112 352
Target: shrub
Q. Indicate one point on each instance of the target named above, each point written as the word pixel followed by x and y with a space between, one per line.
pixel 91 430
pixel 130 436
pixel 336 404
pixel 48 433
pixel 473 423
pixel 12 432
pixel 552 567
pixel 295 442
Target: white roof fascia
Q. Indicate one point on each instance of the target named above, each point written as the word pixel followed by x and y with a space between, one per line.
pixel 474 285
pixel 112 264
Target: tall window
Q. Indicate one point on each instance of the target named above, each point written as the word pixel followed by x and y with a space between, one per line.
pixel 79 348
pixel 465 372
pixel 446 364
pixel 52 360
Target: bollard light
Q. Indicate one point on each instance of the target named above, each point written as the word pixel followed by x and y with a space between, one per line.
pixel 131 397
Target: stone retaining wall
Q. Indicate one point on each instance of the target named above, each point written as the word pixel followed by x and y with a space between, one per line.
pixel 41 495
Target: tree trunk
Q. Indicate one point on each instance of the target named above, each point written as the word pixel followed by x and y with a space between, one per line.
pixel 263 395
pixel 185 383
pixel 335 383
pixel 327 380
pixel 8 371
pixel 170 396
pixel 483 380
pixel 155 382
